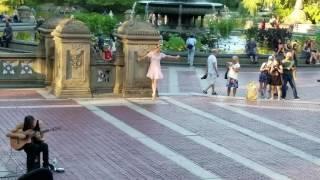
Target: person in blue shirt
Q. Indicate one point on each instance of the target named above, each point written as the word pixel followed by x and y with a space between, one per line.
pixel 191 47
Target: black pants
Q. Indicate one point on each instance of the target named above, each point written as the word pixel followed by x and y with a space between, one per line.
pixel 33 151
pixel 42 173
pixel 5 42
pixel 288 77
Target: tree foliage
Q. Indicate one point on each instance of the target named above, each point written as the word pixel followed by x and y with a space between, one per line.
pixel 313 12
pixel 254 5
pixel 4 5
pixel 97 23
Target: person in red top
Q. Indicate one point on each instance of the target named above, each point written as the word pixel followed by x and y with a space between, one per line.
pixel 263 24
pixel 107 53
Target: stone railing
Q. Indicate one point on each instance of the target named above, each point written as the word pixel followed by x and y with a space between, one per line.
pixel 21 70
pixel 19 26
pixel 23 45
pixel 102 75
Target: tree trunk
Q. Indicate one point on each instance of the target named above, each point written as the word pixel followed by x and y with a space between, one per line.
pixel 298 5
pixel 298 16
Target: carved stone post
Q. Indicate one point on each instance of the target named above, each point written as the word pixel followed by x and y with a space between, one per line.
pixel 136 38
pixel 119 65
pixel 46 46
pixel 72 59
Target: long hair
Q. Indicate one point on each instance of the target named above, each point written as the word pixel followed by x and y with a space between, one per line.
pixel 28 122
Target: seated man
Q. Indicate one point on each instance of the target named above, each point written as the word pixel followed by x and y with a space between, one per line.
pixel 251 49
pixel 7 35
pixel 34 143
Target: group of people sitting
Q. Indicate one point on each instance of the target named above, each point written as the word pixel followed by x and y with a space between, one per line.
pixel 311 53
pixel 6 18
pixel 309 50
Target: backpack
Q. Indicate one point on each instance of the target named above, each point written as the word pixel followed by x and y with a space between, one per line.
pixel 190 46
pixel 252 91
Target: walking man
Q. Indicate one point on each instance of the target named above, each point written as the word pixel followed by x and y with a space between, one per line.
pixel 212 71
pixel 191 46
pixel 287 76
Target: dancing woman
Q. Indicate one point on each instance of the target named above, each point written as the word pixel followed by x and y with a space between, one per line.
pixel 154 71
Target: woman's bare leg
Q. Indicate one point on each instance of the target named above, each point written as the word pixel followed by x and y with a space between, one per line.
pixel 279 92
pixel 272 92
pixel 265 89
pixel 154 88
pixel 261 89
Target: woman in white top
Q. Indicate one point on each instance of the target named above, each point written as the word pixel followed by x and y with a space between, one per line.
pixel 233 76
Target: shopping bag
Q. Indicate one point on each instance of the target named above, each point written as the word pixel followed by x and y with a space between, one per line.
pixel 252 91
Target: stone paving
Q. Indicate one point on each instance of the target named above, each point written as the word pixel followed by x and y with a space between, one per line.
pixel 182 135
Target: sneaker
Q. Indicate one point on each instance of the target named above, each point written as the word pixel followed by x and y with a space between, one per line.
pixel 297 98
pixel 318 80
pixel 49 166
pixel 204 92
pixel 214 93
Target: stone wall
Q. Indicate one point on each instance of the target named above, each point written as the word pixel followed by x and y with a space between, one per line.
pixel 21 70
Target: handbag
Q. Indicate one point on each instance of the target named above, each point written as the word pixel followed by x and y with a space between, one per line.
pixel 204 76
pixel 226 74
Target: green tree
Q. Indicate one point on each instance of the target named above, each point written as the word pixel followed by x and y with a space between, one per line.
pixel 97 23
pixel 253 5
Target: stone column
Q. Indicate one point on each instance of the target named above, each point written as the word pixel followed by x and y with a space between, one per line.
pixel 136 38
pixel 202 18
pixel 156 19
pixel 119 65
pixel 180 17
pixel 46 46
pixel 72 59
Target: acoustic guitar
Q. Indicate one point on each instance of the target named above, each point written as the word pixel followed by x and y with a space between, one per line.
pixel 19 139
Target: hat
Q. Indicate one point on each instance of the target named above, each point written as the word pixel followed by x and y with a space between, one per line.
pixel 270 58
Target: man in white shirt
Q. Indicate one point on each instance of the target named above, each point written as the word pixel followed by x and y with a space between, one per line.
pixel 233 75
pixel 191 47
pixel 212 71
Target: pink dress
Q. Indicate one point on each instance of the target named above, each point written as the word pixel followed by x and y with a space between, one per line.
pixel 154 71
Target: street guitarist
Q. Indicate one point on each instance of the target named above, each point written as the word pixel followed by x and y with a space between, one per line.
pixel 30 132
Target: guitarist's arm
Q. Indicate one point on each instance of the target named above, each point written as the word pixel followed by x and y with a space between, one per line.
pixel 17 132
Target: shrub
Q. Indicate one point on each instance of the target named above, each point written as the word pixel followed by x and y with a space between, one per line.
pixel 25 36
pixel 271 36
pixel 251 32
pixel 221 26
pixel 97 23
pixel 175 43
pixel 313 12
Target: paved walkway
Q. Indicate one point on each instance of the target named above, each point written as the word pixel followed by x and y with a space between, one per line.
pixel 182 135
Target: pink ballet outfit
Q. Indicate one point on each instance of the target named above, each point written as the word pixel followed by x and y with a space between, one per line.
pixel 154 71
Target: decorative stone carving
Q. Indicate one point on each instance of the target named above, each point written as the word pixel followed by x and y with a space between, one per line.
pixel 76 56
pixel 26 67
pixel 103 76
pixel 8 68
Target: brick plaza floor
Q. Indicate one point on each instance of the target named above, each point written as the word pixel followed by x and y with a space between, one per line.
pixel 182 135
